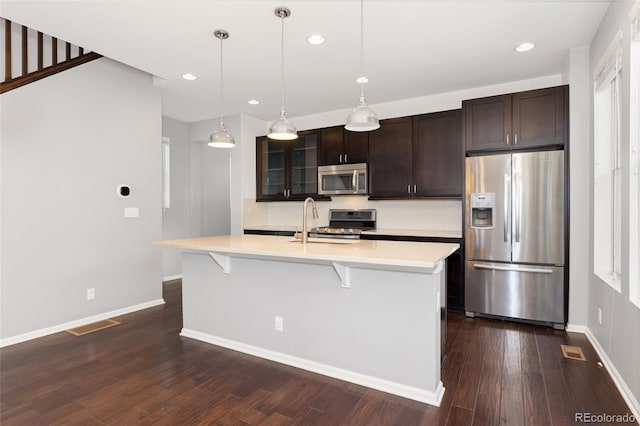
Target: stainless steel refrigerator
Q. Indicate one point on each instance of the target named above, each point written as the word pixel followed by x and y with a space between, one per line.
pixel 514 229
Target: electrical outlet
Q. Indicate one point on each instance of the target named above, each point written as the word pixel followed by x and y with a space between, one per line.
pixel 279 323
pixel 91 293
pixel 599 316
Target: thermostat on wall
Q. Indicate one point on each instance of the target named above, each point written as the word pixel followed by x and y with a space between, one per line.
pixel 124 191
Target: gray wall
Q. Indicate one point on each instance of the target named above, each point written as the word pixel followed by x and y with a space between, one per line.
pixel 68 141
pixel 619 333
pixel 176 219
pixel 200 185
pixel 210 208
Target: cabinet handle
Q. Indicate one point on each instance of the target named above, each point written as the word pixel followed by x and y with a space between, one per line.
pixel 345 158
pixel 284 193
pixel 507 138
pixel 415 188
pixel 408 189
pixel 340 158
pixel 515 139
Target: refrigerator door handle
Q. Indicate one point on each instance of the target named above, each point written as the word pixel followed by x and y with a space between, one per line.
pixel 506 215
pixel 517 186
pixel 507 268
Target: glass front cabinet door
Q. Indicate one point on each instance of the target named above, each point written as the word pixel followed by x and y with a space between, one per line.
pixel 287 170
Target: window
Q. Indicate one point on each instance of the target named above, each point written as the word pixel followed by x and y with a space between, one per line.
pixel 166 175
pixel 608 167
pixel 634 158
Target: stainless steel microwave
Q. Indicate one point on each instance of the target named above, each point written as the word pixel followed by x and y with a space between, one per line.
pixel 343 179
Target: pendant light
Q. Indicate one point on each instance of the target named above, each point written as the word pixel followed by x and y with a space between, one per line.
pixel 282 129
pixel 221 138
pixel 362 118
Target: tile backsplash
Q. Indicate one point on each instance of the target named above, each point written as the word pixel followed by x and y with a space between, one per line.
pixel 439 215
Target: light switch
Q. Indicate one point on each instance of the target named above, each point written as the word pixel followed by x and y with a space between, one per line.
pixel 130 212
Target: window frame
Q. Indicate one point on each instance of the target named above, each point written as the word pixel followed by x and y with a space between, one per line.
pixel 607 166
pixel 634 155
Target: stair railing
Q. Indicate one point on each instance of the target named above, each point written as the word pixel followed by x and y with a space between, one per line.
pixel 35 67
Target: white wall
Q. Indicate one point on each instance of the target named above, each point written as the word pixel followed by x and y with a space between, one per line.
pixel 68 141
pixel 619 334
pixel 176 219
pixel 423 214
pixel 579 182
pixel 243 166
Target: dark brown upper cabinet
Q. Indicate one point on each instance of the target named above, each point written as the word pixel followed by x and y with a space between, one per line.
pixel 390 152
pixel 287 170
pixel 419 156
pixel 437 154
pixel 340 146
pixel 523 120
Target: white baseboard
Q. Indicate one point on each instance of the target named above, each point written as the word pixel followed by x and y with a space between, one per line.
pixel 571 328
pixel 410 392
pixel 627 395
pixel 172 277
pixel 77 323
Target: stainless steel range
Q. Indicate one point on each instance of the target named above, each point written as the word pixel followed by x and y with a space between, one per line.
pixel 344 223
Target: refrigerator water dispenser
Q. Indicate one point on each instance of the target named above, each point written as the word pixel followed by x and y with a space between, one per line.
pixel 482 210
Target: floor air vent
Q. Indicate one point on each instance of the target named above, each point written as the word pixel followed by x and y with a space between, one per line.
pixel 573 352
pixel 94 326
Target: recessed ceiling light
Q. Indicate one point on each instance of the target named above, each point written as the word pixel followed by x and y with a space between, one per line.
pixel 315 39
pixel 525 47
pixel 189 76
pixel 253 102
pixel 362 79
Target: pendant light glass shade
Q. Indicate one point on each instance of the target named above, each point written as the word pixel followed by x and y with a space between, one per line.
pixel 282 129
pixel 362 118
pixel 221 138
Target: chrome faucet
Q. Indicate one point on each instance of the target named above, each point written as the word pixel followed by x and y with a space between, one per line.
pixel 314 210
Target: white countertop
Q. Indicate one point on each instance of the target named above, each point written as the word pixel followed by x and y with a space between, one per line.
pixel 392 255
pixel 391 232
pixel 288 228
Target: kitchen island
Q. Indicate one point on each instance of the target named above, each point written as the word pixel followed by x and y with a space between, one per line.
pixel 364 311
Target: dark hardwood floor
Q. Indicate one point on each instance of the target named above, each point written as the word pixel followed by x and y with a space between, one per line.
pixel 143 372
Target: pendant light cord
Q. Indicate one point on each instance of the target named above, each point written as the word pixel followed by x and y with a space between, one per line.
pixel 221 85
pixel 361 38
pixel 362 48
pixel 282 62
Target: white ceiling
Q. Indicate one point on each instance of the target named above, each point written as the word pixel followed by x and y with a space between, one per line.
pixel 412 48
